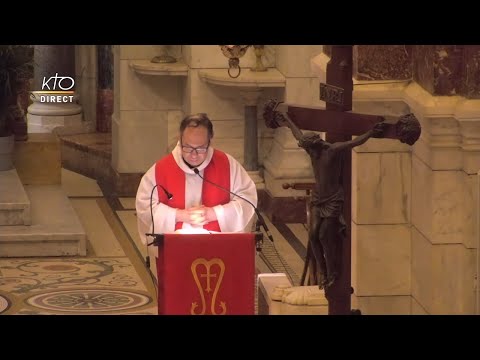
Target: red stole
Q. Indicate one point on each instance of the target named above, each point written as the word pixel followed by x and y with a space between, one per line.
pixel 172 178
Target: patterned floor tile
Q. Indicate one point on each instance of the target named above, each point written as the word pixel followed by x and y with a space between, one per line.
pixel 74 285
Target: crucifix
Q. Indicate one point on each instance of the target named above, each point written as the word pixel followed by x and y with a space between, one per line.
pixel 330 208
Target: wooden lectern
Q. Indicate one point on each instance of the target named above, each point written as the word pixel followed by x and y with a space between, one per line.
pixel 206 274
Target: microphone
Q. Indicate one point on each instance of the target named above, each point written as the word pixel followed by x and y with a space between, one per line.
pixel 259 216
pixel 169 196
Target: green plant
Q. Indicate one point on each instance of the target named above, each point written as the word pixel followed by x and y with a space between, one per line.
pixel 16 64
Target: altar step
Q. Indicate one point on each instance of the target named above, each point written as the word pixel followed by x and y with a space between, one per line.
pixel 14 203
pixel 54 229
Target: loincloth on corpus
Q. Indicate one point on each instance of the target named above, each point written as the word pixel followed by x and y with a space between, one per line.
pixel 330 207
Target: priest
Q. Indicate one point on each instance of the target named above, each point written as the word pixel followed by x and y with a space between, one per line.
pixel 195 188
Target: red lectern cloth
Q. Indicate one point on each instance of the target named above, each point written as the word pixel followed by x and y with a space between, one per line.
pixel 206 274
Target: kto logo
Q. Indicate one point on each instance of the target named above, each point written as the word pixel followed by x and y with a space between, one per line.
pixel 57 89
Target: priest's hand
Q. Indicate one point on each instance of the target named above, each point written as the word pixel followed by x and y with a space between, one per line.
pixel 202 215
pixel 197 215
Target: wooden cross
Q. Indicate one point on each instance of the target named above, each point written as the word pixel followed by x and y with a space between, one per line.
pixel 340 125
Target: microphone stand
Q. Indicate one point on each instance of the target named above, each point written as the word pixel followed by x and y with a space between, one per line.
pixel 260 219
pixel 157 238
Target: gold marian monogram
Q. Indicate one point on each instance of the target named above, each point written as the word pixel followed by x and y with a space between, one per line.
pixel 207 290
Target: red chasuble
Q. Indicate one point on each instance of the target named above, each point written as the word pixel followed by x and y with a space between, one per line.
pixel 171 177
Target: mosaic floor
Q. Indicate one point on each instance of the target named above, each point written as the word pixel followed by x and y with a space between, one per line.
pixel 73 286
pixel 112 278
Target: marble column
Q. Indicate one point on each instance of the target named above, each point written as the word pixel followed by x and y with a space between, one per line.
pixel 426 207
pixel 444 190
pixel 49 61
pixel 104 88
pixel 250 99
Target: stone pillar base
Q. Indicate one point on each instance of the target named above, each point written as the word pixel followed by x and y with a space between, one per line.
pixel 46 124
pixel 44 117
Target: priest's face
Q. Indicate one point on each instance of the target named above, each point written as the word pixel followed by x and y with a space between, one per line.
pixel 195 142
